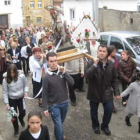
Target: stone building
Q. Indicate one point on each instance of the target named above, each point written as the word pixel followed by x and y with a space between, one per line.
pixel 34 12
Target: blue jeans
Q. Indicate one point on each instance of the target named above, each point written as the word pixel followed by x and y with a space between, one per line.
pixel 108 108
pixel 58 114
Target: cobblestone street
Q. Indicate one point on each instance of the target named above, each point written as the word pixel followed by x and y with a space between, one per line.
pixel 78 122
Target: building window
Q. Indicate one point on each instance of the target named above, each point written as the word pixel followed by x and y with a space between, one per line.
pixel 32 4
pixel 72 14
pixel 38 20
pixel 39 4
pixel 7 2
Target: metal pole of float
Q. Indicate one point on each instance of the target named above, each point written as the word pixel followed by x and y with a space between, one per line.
pixel 95 10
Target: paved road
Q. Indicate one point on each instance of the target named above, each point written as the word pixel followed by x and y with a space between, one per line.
pixel 78 122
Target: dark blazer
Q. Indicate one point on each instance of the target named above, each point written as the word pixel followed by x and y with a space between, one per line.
pixel 10 51
pixel 101 82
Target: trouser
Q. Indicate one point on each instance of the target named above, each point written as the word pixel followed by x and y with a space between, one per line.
pixel 20 104
pixel 25 62
pixel 58 114
pixel 108 108
pixel 76 78
pixel 124 87
pixel 129 115
pixel 81 83
pixel 18 64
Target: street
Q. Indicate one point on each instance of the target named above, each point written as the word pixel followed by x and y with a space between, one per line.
pixel 78 123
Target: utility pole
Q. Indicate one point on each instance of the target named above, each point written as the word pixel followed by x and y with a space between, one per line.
pixel 95 11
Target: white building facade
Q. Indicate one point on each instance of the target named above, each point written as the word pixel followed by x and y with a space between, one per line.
pixel 11 13
pixel 74 9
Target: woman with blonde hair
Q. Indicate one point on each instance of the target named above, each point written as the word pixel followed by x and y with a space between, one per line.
pixel 5 60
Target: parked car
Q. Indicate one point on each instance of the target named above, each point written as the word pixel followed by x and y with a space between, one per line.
pixel 123 40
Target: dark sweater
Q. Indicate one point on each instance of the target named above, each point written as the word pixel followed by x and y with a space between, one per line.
pixel 26 135
pixel 54 89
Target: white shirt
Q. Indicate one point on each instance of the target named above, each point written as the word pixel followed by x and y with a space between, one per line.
pixel 93 49
pixel 24 52
pixel 2 43
pixel 36 135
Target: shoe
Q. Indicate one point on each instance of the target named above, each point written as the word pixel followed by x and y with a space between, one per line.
pixel 96 130
pixel 16 132
pixel 139 127
pixel 23 123
pixel 73 103
pixel 80 90
pixel 124 104
pixel 106 131
pixel 40 104
pixel 127 120
pixel 114 110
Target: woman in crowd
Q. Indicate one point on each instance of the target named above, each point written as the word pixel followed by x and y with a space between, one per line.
pixel 35 129
pixel 14 90
pixel 5 60
pixel 127 70
pixel 36 64
pixel 112 57
pixel 133 104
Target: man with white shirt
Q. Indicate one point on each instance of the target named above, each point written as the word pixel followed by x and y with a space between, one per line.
pixel 92 47
pixel 26 52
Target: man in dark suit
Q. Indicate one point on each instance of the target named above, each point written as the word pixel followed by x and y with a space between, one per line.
pixel 14 51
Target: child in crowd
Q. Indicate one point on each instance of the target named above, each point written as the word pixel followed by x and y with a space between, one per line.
pixel 35 129
pixel 14 90
pixel 133 104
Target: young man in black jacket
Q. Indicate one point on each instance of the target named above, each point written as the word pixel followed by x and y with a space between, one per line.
pixel 102 79
pixel 55 95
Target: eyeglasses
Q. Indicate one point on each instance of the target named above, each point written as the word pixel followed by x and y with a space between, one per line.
pixel 2 49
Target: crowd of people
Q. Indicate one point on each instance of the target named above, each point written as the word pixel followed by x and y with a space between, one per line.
pixel 26 50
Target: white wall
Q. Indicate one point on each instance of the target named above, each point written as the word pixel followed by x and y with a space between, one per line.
pixel 84 6
pixel 123 5
pixel 14 12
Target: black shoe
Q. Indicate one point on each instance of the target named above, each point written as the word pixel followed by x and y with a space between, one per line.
pixel 139 127
pixel 106 131
pixel 40 104
pixel 16 132
pixel 23 124
pixel 80 90
pixel 73 103
pixel 96 130
pixel 127 120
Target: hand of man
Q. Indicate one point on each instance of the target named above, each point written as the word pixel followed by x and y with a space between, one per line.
pixel 25 96
pixel 47 114
pixel 82 74
pixel 118 97
pixel 62 69
pixel 96 60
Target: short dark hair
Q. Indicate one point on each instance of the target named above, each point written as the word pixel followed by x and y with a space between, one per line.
pixel 104 46
pixel 111 48
pixel 50 54
pixel 34 113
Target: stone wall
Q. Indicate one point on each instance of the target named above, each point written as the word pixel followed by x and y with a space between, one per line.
pixel 30 15
pixel 113 20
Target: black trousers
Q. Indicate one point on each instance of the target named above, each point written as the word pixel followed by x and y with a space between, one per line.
pixel 124 87
pixel 19 106
pixel 25 62
pixel 108 108
pixel 76 78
